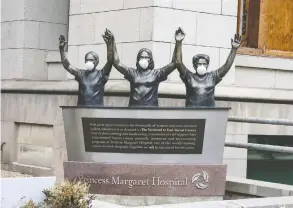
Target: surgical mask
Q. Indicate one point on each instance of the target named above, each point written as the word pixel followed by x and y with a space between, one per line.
pixel 201 70
pixel 143 63
pixel 89 65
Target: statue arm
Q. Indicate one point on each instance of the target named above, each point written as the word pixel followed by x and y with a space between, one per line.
pixel 223 70
pixel 177 54
pixel 236 43
pixel 108 38
pixel 120 67
pixel 168 69
pixel 66 64
pixel 179 63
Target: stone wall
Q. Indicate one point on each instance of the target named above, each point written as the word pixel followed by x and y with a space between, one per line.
pixel 152 24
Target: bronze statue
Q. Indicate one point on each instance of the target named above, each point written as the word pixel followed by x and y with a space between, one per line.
pixel 91 81
pixel 144 79
pixel 200 86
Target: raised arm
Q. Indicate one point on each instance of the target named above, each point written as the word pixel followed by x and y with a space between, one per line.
pixel 108 38
pixel 116 62
pixel 62 43
pixel 235 45
pixel 180 35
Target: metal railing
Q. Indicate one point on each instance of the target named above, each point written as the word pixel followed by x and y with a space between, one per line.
pixel 261 147
pixel 261 121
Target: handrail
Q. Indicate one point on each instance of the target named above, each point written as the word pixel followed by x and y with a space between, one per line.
pixel 261 147
pixel 283 122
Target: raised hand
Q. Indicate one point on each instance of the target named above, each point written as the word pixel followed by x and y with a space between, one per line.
pixel 179 35
pixel 236 43
pixel 62 42
pixel 108 37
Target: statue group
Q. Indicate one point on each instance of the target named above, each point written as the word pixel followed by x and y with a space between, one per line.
pixel 145 78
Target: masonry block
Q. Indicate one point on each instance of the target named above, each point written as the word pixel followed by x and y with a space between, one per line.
pixel 136 4
pixel 33 34
pixel 34 64
pixel 146 3
pixel 53 11
pixel 90 6
pixel 8 134
pixel 34 155
pixel 11 63
pixel 81 33
pixel 254 77
pixel 215 30
pixel 230 7
pixel 35 134
pixel 20 34
pixel 146 24
pixel 12 34
pixel 8 153
pixel 59 156
pixel 210 6
pixel 75 7
pixel 124 25
pixel 166 32
pixel 163 3
pixel 284 79
pixel 17 6
pixel 49 35
pixel 59 137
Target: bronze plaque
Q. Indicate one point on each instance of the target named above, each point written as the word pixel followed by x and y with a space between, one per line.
pixel 148 136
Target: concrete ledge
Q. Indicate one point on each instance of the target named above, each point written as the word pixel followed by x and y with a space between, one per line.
pixel 257 188
pixel 53 57
pixel 272 63
pixel 166 88
pixel 29 169
pixel 273 202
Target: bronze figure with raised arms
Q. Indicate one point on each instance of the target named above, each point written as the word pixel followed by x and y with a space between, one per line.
pixel 200 86
pixel 91 80
pixel 144 79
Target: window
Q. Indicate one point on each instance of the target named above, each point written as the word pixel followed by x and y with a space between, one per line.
pixel 266 27
pixel 270 166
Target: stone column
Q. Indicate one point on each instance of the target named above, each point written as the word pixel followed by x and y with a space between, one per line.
pixel 29 30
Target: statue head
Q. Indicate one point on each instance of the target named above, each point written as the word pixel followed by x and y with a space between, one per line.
pixel 144 59
pixel 201 63
pixel 91 60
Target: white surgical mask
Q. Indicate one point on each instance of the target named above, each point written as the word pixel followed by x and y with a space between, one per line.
pixel 89 65
pixel 201 70
pixel 143 63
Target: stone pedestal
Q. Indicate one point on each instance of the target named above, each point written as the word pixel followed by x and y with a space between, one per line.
pixel 143 156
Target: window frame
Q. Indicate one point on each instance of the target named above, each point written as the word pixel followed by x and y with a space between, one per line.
pixel 260 50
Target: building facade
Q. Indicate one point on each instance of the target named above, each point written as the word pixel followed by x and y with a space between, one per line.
pixel 34 83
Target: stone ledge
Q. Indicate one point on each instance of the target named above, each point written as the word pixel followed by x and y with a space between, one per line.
pixel 29 169
pixel 257 188
pixel 260 62
pixel 272 202
pixel 166 89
